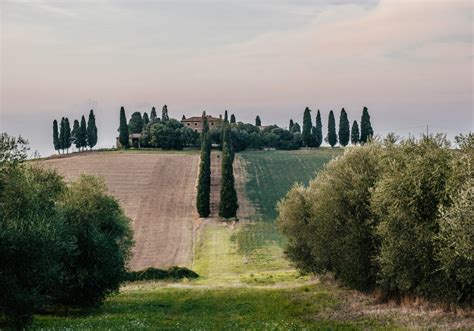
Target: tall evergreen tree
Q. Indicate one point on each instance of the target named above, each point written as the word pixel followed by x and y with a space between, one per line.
pixel 164 114
pixel 307 127
pixel 56 144
pixel 83 133
pixel 123 128
pixel 332 136
pixel 319 130
pixel 91 130
pixel 344 129
pixel 258 122
pixel 366 131
pixel 228 203
pixel 75 134
pixel 355 136
pixel 296 128
pixel 153 114
pixel 62 135
pixel 136 123
pixel 146 120
pixel 232 119
pixel 204 180
pixel 290 127
pixel 67 135
pixel 226 118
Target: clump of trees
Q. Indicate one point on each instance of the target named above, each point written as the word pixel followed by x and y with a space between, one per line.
pixel 228 195
pixel 61 245
pixel 82 135
pixel 204 181
pixel 397 217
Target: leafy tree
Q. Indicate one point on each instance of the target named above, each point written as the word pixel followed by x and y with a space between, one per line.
pixel 146 119
pixel 332 136
pixel 319 130
pixel 153 114
pixel 56 143
pixel 355 136
pixel 232 119
pixel 366 131
pixel 123 129
pixel 91 130
pixel 307 127
pixel 258 122
pixel 344 130
pixel 228 196
pixel 136 123
pixel 83 133
pixel 164 114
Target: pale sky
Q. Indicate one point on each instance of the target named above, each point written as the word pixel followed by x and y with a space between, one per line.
pixel 409 61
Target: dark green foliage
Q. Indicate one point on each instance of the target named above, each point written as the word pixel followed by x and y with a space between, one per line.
pixel 290 126
pixel 173 273
pixel 366 131
pixel 83 133
pixel 344 130
pixel 258 122
pixel 164 114
pixel 318 130
pixel 91 130
pixel 332 136
pixel 226 118
pixel 68 137
pixel 228 196
pixel 56 143
pixel 307 128
pixel 295 128
pixel 153 117
pixel 171 134
pixel 64 134
pixel 355 135
pixel 204 181
pixel 75 134
pixel 123 129
pixel 136 123
pixel 232 119
pixel 146 119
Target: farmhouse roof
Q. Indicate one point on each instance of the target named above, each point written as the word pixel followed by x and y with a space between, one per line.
pixel 199 119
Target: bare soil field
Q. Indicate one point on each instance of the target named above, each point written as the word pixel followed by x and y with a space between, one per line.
pixel 156 190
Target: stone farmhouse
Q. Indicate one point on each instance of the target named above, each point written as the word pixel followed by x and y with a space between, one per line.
pixel 196 122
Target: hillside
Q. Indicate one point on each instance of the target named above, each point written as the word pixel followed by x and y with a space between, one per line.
pixel 156 190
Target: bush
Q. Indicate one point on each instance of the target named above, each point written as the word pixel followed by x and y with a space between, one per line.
pixel 174 273
pixel 103 242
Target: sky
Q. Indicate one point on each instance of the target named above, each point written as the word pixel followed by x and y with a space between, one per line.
pixel 409 61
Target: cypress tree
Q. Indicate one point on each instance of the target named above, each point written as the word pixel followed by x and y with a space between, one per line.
pixel 56 143
pixel 290 127
pixel 366 131
pixel 307 127
pixel 319 130
pixel 332 136
pixel 83 133
pixel 355 133
pixel 204 180
pixel 153 114
pixel 67 135
pixel 226 119
pixel 91 130
pixel 75 133
pixel 62 135
pixel 344 130
pixel 123 128
pixel 296 128
pixel 258 122
pixel 136 123
pixel 232 119
pixel 164 114
pixel 146 119
pixel 228 196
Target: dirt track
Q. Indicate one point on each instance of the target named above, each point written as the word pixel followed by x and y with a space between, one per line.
pixel 157 191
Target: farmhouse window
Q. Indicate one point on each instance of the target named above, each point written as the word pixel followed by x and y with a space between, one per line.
pixel 195 123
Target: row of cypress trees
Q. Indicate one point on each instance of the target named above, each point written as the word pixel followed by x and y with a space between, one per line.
pixel 313 135
pixel 204 180
pixel 82 135
pixel 228 195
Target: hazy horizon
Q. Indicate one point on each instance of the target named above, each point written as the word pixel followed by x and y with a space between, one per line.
pixel 409 62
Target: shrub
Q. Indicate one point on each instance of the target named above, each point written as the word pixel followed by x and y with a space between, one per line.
pixel 160 274
pixel 103 242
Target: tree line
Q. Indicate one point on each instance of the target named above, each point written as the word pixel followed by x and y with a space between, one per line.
pixel 82 135
pixel 62 246
pixel 397 217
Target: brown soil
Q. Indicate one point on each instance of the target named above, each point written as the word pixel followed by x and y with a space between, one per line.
pixel 157 191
